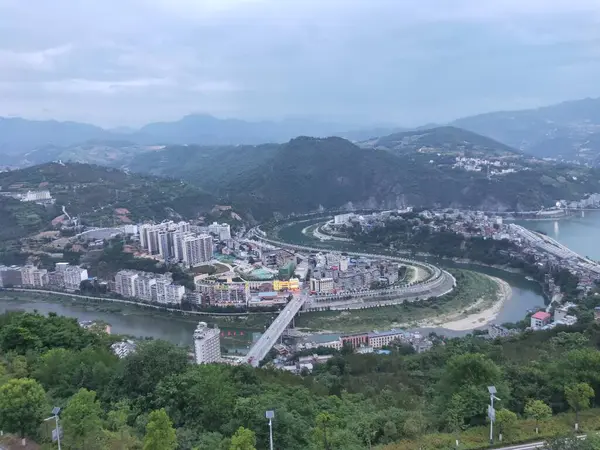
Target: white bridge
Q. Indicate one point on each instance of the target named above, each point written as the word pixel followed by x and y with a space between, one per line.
pixel 261 347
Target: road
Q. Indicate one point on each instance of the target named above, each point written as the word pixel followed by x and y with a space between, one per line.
pixel 269 338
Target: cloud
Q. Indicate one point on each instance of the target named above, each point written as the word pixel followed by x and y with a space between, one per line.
pixel 128 62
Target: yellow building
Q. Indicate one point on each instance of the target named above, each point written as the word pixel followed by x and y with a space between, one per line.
pixel 292 285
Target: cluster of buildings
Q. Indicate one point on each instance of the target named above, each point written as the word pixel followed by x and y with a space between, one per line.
pixel 492 167
pixel 149 287
pixel 543 320
pixel 175 241
pixel 64 277
pixel 367 342
pixel 227 292
pixel 334 273
pixel 41 197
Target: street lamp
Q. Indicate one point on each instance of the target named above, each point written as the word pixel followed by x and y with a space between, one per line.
pixel 270 415
pixel 55 413
pixel 492 411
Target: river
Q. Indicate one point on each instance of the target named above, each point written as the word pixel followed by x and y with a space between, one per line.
pixel 579 234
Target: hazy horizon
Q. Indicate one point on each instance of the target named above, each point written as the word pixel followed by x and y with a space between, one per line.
pixel 355 62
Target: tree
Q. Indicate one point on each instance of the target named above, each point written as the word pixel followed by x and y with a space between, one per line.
pixel 81 421
pixel 324 421
pixel 578 397
pixel 143 370
pixel 243 439
pixel 160 434
pixel 538 410
pixel 22 406
pixel 505 420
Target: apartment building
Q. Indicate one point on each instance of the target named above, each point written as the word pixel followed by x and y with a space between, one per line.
pixel 167 293
pixel 378 339
pixel 221 230
pixel 207 344
pixel 197 249
pixel 125 283
pixel 144 285
pixel 322 285
pixel 31 276
pixel 224 294
pixel 74 275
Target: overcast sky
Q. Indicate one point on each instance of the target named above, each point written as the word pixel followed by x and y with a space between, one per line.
pixel 407 62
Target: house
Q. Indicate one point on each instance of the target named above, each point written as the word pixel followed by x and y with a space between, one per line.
pixel 540 319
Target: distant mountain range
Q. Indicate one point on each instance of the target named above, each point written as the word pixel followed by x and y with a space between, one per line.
pixel 567 131
pixel 20 136
pixel 416 168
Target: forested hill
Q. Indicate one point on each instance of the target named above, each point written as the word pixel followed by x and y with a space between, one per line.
pixel 400 401
pixel 100 196
pixel 307 173
pixel 448 140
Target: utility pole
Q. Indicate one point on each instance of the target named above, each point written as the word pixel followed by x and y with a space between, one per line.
pixel 269 415
pixel 492 411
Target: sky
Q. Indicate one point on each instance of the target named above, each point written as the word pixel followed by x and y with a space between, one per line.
pixel 403 62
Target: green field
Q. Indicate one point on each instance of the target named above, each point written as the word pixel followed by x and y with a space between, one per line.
pixel 472 286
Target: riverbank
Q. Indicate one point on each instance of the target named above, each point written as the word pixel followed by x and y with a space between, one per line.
pixel 474 316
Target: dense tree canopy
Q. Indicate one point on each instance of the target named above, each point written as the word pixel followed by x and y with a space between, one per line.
pixel 352 402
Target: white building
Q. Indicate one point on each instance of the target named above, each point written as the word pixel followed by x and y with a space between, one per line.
pixel 144 284
pixel 221 230
pixel 123 348
pixel 342 219
pixel 344 263
pixel 562 311
pixel 36 196
pixel 197 249
pixel 160 239
pixel 125 283
pixel 33 277
pixel 74 275
pixel 207 344
pixel 323 285
pixel 167 293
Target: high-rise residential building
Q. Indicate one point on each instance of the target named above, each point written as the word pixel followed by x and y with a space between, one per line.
pixel 161 239
pixel 207 344
pixel 125 283
pixel 221 230
pixel 164 249
pixel 196 249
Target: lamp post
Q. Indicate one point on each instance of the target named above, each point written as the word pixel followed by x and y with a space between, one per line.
pixel 55 413
pixel 492 411
pixel 270 415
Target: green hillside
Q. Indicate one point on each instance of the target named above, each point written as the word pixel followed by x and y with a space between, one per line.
pixel 447 140
pixel 94 193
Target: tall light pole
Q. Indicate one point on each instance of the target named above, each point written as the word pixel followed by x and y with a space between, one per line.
pixel 55 412
pixel 492 411
pixel 270 415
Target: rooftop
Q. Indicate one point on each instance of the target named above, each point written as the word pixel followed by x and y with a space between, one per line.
pixel 541 315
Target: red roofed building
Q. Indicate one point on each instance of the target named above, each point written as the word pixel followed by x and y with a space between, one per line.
pixel 540 319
